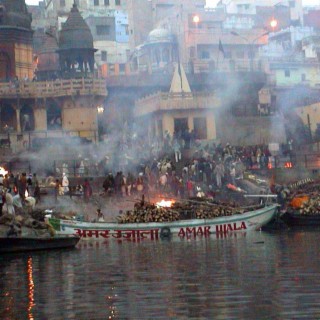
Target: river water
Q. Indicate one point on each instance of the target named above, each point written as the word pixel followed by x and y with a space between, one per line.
pixel 253 275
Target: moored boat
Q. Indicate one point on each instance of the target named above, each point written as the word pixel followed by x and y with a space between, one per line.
pixel 295 218
pixel 251 220
pixel 21 244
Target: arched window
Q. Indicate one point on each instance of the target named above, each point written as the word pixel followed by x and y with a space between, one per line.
pixel 54 119
pixel 26 118
pixel 8 119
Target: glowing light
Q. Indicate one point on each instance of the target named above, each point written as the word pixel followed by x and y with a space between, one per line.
pixel 31 303
pixel 26 194
pixel 288 165
pixel 196 19
pixel 273 23
pixel 165 203
pixel 100 109
pixel 3 171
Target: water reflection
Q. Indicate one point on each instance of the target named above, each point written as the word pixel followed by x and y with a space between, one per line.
pixel 30 289
pixel 247 276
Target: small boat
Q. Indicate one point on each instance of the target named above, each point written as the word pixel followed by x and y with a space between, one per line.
pixel 295 218
pixel 21 244
pixel 251 220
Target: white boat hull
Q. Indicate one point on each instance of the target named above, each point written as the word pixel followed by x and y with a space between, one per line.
pixel 252 220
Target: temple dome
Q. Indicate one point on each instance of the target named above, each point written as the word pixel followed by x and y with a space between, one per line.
pixel 48 58
pixel 75 32
pixel 160 35
pixel 14 13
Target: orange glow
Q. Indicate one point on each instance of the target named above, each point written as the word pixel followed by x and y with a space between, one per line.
pixel 269 165
pixel 3 171
pixel 30 289
pixel 165 203
pixel 196 19
pixel 273 23
pixel 288 165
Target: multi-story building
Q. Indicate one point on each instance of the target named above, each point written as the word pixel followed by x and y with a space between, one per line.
pixel 108 22
pixel 33 112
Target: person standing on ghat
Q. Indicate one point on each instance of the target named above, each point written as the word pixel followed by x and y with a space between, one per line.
pixel 2 198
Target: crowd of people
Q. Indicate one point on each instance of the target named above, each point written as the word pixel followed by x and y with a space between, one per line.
pixel 209 168
pixel 172 168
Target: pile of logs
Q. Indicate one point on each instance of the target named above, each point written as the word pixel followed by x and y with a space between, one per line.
pixel 310 189
pixel 311 207
pixel 147 212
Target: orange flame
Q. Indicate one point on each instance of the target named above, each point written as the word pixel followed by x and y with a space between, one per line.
pixel 165 203
pixel 3 171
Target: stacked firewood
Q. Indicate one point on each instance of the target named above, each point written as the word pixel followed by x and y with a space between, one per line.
pixel 311 207
pixel 179 210
pixel 149 213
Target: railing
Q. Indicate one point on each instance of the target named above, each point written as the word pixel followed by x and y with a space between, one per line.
pixel 34 140
pixel 56 88
pixel 178 101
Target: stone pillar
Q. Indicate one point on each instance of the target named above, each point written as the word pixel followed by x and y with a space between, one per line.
pixel 18 119
pixel 40 118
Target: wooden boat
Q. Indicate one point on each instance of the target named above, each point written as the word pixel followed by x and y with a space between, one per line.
pixel 251 220
pixel 21 244
pixel 295 218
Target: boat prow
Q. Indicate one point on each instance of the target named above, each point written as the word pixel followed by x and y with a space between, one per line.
pixel 22 244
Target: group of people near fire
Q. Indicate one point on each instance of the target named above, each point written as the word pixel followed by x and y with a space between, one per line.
pixel 210 168
pixel 17 191
pixel 158 167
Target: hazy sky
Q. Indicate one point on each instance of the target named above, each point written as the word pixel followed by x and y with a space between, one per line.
pixel 305 2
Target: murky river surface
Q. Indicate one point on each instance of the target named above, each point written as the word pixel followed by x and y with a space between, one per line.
pixel 254 275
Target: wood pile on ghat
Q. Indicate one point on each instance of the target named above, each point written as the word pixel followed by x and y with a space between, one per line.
pixel 311 207
pixel 305 197
pixel 189 209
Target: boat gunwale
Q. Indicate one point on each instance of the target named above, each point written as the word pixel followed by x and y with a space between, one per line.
pixel 180 223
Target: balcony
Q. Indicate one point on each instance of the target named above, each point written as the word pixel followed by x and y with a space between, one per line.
pixel 170 102
pixel 56 88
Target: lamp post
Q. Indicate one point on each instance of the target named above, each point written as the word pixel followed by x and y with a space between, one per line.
pixel 195 20
pixel 251 43
pixel 100 111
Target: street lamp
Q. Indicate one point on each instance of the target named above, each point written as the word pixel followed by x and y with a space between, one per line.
pixel 196 19
pixel 100 109
pixel 273 24
pixel 251 43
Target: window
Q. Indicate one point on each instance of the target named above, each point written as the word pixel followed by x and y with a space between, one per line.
pixel 122 67
pixel 292 4
pixel 303 77
pixel 205 55
pixel 227 55
pixel 103 30
pixel 103 55
pixel 118 2
pixel 240 54
pixel 287 73
pixel 106 2
pixel 62 3
pixel 96 2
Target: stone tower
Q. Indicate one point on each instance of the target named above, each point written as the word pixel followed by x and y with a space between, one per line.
pixel 76 52
pixel 16 53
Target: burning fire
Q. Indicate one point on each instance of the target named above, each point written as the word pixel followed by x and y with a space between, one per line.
pixel 165 203
pixel 3 171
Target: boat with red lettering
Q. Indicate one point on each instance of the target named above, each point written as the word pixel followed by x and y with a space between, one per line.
pixel 250 220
